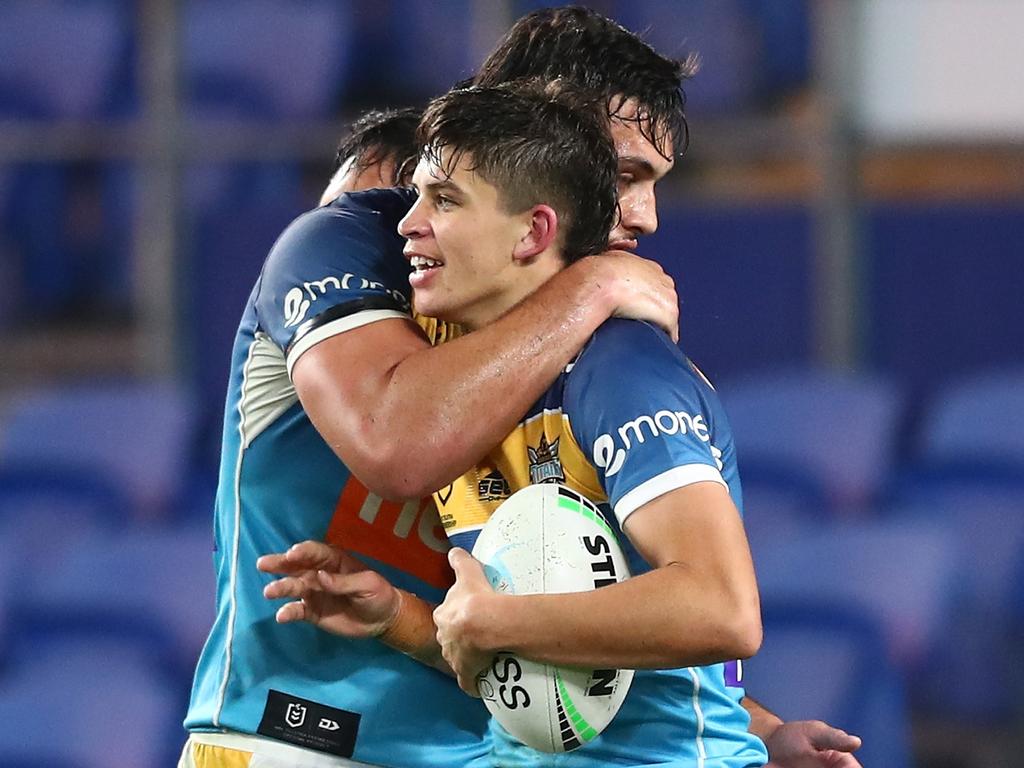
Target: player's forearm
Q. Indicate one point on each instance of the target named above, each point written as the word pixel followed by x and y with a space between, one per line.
pixel 442 409
pixel 413 633
pixel 763 722
pixel 668 617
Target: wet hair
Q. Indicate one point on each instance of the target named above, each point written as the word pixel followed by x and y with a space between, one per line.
pixel 587 49
pixel 379 135
pixel 536 145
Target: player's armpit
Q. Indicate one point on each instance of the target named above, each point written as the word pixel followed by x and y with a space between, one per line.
pixel 697 532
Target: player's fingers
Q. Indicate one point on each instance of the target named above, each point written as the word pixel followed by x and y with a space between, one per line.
pixel 467 568
pixel 844 760
pixel 289 612
pixel 835 738
pixel 289 586
pixel 468 685
pixel 347 584
pixel 276 563
pixel 312 555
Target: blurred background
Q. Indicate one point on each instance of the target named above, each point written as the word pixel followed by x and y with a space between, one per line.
pixel 847 231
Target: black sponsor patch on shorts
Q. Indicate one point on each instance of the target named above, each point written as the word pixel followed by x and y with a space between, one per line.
pixel 309 724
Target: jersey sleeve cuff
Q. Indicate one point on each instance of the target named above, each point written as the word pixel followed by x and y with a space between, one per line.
pixel 659 485
pixel 333 328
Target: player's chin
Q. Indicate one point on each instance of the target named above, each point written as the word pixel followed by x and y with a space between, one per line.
pixel 427 303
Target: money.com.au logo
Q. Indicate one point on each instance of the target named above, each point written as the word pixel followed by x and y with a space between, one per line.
pixel 300 298
pixel 610 454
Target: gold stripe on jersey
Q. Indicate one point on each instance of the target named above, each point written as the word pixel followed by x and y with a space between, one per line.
pixel 438 331
pixel 541 449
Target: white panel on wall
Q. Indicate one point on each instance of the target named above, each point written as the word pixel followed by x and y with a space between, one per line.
pixel 941 69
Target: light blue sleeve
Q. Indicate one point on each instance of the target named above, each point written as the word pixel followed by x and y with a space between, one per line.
pixel 642 414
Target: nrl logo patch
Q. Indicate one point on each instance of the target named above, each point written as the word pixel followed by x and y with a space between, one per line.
pixel 494 487
pixel 544 464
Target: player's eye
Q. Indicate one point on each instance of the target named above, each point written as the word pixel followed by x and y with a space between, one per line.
pixel 444 202
pixel 625 179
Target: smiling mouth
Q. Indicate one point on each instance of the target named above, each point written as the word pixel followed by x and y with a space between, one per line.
pixel 422 263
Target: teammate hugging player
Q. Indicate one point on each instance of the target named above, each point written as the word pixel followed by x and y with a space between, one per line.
pixel 406 419
pixel 534 180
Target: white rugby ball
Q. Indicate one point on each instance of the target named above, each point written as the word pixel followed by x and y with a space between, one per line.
pixel 549 539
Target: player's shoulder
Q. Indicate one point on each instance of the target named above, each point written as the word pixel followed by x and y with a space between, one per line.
pixel 628 347
pixel 356 214
pixel 356 228
pixel 391 203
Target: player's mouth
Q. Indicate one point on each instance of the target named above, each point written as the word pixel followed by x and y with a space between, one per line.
pixel 623 244
pixel 423 269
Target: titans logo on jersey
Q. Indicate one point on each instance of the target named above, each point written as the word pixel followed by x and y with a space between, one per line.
pixel 336 268
pixel 630 420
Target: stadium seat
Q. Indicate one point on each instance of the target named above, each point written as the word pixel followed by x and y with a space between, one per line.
pixel 92 691
pixel 92 39
pixel 163 576
pixel 827 663
pixel 276 59
pixel 135 435
pixel 227 250
pixel 976 654
pixel 839 429
pixel 898 572
pixel 976 421
pixel 778 502
pixel 721 31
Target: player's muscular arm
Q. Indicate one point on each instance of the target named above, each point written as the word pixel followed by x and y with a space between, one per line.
pixel 698 606
pixel 408 418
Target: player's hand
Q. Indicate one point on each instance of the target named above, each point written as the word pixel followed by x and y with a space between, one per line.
pixel 462 618
pixel 640 289
pixel 811 744
pixel 330 589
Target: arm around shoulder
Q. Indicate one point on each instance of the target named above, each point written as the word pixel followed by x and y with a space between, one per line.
pixel 409 418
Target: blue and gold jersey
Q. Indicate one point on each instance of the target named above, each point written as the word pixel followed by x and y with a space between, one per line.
pixel 629 420
pixel 333 269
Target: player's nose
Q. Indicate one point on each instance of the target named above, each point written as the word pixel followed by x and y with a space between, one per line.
pixel 414 223
pixel 639 211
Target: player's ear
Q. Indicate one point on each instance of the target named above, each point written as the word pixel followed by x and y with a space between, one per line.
pixel 542 229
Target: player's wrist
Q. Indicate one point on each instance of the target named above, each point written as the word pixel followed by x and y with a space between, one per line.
pixel 597 283
pixel 410 629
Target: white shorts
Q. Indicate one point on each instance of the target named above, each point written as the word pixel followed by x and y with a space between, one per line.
pixel 240 750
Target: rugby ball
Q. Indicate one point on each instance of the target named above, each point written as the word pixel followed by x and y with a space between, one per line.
pixel 549 539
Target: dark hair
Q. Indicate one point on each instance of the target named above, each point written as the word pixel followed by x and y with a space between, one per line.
pixel 587 49
pixel 536 145
pixel 379 135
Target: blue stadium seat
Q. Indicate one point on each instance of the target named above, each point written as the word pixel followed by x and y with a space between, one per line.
pixel 277 59
pixel 62 58
pixel 89 690
pixel 976 420
pixel 839 429
pixel 722 32
pixel 899 572
pixel 779 501
pixel 227 250
pixel 67 238
pixel 823 662
pixel 967 473
pixel 135 434
pixel 976 655
pixel 163 576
